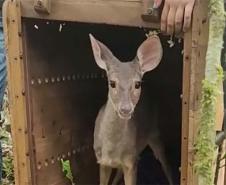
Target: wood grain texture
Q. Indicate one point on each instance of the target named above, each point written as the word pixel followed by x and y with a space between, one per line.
pixel 115 12
pixel 15 67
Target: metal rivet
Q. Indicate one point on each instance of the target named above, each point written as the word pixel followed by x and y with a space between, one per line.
pixel 52 161
pixel 73 77
pixel 39 166
pixel 46 80
pixel 69 77
pixel 46 162
pixel 69 154
pixel 91 75
pixel 32 82
pixel 74 151
pixel 58 79
pixel 63 156
pixel 58 158
pixel 63 78
pixel 52 79
pixel 39 81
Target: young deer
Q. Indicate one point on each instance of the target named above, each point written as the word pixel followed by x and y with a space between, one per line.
pixel 124 125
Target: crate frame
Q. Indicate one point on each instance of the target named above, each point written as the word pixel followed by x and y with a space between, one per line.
pixel 195 47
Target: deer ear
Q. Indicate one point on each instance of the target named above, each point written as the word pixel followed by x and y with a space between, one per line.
pixel 150 54
pixel 101 53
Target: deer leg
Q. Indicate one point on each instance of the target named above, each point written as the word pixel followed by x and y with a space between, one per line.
pixel 117 177
pixel 159 152
pixel 105 174
pixel 130 174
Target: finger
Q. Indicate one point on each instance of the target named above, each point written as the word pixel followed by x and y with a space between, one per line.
pixel 157 3
pixel 187 16
pixel 179 19
pixel 171 20
pixel 164 15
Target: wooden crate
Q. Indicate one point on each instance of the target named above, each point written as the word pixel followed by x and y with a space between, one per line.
pixel 55 90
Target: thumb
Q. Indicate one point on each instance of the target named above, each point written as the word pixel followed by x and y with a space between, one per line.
pixel 157 3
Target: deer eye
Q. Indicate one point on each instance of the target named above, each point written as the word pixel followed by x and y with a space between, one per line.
pixel 112 84
pixel 137 85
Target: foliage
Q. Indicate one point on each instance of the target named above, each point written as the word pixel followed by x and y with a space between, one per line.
pixel 66 168
pixel 8 174
pixel 205 156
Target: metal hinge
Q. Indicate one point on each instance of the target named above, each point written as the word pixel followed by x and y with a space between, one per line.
pixel 42 6
pixel 151 14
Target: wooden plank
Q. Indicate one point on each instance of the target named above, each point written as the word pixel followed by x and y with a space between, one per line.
pixel 13 42
pixel 221 179
pixel 220 110
pixel 115 12
pixel 199 48
pixel 185 106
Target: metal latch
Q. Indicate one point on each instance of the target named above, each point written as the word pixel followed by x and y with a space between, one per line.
pixel 42 6
pixel 151 14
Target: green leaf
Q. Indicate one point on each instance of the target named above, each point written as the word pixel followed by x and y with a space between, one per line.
pixel 66 168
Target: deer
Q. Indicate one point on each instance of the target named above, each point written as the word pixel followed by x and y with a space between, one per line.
pixel 126 124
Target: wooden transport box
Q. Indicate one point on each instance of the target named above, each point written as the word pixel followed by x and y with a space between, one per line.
pixel 56 89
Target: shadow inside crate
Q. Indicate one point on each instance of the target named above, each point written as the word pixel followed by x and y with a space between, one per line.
pixel 63 112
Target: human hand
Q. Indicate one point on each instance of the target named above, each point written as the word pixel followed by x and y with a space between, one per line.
pixel 176 15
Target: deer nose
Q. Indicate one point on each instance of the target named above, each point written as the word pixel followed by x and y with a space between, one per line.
pixel 125 110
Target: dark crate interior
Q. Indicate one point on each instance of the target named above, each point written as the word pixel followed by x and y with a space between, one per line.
pixel 65 90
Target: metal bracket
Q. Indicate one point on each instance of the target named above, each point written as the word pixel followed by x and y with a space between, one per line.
pixel 151 14
pixel 42 6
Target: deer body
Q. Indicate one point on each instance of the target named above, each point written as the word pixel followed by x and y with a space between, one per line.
pixel 126 124
pixel 117 141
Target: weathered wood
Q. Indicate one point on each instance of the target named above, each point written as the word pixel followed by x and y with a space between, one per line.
pixel 14 54
pixel 220 110
pixel 185 106
pixel 42 6
pixel 115 12
pixel 199 43
pixel 221 174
